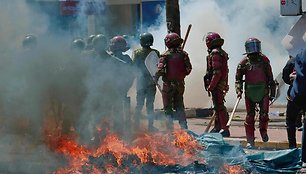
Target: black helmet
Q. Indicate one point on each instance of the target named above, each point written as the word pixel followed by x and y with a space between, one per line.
pixel 29 41
pixel 146 39
pixel 78 44
pixel 89 41
pixel 90 38
pixel 99 42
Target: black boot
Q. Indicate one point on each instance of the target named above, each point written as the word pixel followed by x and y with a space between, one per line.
pixel 225 133
pixel 183 124
pixel 291 133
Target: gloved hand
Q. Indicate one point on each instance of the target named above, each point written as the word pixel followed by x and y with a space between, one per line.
pixel 292 76
pixel 271 98
pixel 239 94
pixel 209 89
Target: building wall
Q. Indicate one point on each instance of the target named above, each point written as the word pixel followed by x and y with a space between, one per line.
pixel 120 17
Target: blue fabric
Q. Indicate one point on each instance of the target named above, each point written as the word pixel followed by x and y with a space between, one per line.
pixel 299 84
pixel 298 91
pixel 281 161
pixel 218 152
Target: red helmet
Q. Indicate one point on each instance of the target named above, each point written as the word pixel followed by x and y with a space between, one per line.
pixel 213 40
pixel 118 43
pixel 252 45
pixel 173 40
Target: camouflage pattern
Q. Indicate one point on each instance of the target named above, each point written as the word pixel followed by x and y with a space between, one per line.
pixel 217 70
pixel 126 76
pixel 259 89
pixel 217 83
pixel 173 89
pixel 146 88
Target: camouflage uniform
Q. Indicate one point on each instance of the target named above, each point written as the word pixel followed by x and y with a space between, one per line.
pixel 259 83
pixel 146 88
pixel 118 46
pixel 174 66
pixel 216 80
pixel 217 77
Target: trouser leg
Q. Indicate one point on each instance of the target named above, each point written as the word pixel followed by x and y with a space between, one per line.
pixel 221 111
pixel 304 142
pixel 179 106
pixel 150 97
pixel 264 118
pixel 292 112
pixel 167 95
pixel 140 97
pixel 249 123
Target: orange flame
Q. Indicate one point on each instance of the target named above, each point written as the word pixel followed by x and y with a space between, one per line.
pixel 76 154
pixel 234 169
pixel 173 148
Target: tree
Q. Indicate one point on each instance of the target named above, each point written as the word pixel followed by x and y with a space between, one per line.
pixel 173 16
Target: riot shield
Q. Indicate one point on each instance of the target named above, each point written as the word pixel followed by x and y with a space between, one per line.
pixel 151 63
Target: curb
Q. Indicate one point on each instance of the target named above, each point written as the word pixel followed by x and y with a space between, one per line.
pixel 260 144
pixel 239 115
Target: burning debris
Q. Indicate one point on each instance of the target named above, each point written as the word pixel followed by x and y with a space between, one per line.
pixel 178 151
pixel 146 153
pixel 163 152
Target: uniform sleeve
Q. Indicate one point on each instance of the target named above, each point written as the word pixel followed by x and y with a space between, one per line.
pixel 287 70
pixel 216 67
pixel 161 67
pixel 188 65
pixel 157 52
pixel 136 63
pixel 239 78
pixel 135 58
pixel 271 82
pixel 128 59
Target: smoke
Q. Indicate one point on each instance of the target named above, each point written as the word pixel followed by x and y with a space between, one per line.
pixel 235 21
pixel 22 86
pixel 38 88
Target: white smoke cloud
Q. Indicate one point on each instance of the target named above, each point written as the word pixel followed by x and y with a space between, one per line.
pixel 28 85
pixel 23 86
pixel 235 21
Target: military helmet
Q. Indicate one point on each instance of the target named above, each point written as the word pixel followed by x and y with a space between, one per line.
pixel 118 43
pixel 252 45
pixel 99 42
pixel 29 41
pixel 146 39
pixel 213 40
pixel 89 39
pixel 173 40
pixel 78 44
